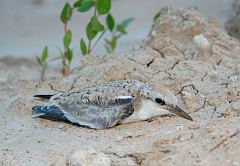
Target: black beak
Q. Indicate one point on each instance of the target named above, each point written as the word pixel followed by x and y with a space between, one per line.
pixel 177 110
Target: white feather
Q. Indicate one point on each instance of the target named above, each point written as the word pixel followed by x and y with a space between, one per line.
pixel 147 110
pixel 124 97
pixel 36 115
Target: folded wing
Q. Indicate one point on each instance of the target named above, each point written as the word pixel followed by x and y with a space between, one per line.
pixel 90 114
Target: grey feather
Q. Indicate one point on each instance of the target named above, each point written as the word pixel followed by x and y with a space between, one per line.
pixel 96 114
pixel 89 114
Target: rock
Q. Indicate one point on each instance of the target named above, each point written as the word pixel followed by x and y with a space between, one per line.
pixel 61 126
pixel 233 22
pixel 88 158
pixel 201 41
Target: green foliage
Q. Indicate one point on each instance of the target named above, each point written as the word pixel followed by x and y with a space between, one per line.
pixel 96 25
pixel 69 55
pixel 65 17
pixel 156 16
pixel 39 61
pixel 66 13
pixel 103 6
pixel 83 47
pixel 42 62
pixel 126 22
pixel 67 39
pixel 110 22
pixel 94 28
pixel 110 44
pixel 77 3
pixel 122 27
pixel 84 5
pixel 90 32
pixel 45 54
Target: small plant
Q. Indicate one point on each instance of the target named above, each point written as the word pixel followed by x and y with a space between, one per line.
pixel 67 54
pixel 116 32
pixel 93 28
pixel 157 16
pixel 42 62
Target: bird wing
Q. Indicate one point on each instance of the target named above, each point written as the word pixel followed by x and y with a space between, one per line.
pixel 98 114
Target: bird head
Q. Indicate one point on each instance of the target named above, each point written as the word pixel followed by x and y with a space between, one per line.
pixel 164 98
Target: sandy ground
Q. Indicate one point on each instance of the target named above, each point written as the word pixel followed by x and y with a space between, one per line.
pixel 165 140
pixel 212 139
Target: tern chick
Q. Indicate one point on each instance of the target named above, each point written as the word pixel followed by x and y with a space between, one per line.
pixel 105 105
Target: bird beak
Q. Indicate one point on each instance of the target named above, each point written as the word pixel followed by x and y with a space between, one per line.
pixel 177 110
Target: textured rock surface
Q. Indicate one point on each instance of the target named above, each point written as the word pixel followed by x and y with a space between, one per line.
pixel 88 158
pixel 233 22
pixel 190 54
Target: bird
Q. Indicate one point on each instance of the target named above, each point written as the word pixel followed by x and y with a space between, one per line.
pixel 106 105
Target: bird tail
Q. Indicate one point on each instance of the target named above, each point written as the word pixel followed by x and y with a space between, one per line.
pixel 43 97
pixel 51 112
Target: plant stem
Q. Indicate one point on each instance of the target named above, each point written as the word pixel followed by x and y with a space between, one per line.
pixel 112 39
pixel 43 69
pixel 95 9
pixel 65 27
pixel 99 38
pixel 64 70
pixel 90 41
pixel 89 46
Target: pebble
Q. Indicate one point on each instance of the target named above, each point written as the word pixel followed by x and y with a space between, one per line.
pixel 88 158
pixel 61 126
pixel 201 41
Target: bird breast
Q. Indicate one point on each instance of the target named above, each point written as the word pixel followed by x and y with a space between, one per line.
pixel 146 109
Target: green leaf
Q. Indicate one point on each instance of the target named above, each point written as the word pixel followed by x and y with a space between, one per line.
pixel 85 5
pixel 157 15
pixel 109 50
pixel 118 36
pixel 66 13
pixel 69 55
pixel 103 6
pixel 121 29
pixel 83 47
pixel 96 25
pixel 38 61
pixel 126 22
pixel 77 3
pixel 110 22
pixel 67 39
pixel 107 42
pixel 45 54
pixel 113 43
pixel 89 31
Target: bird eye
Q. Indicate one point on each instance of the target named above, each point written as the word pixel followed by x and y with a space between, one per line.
pixel 160 101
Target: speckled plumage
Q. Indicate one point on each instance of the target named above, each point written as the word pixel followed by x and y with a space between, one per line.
pixel 102 105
